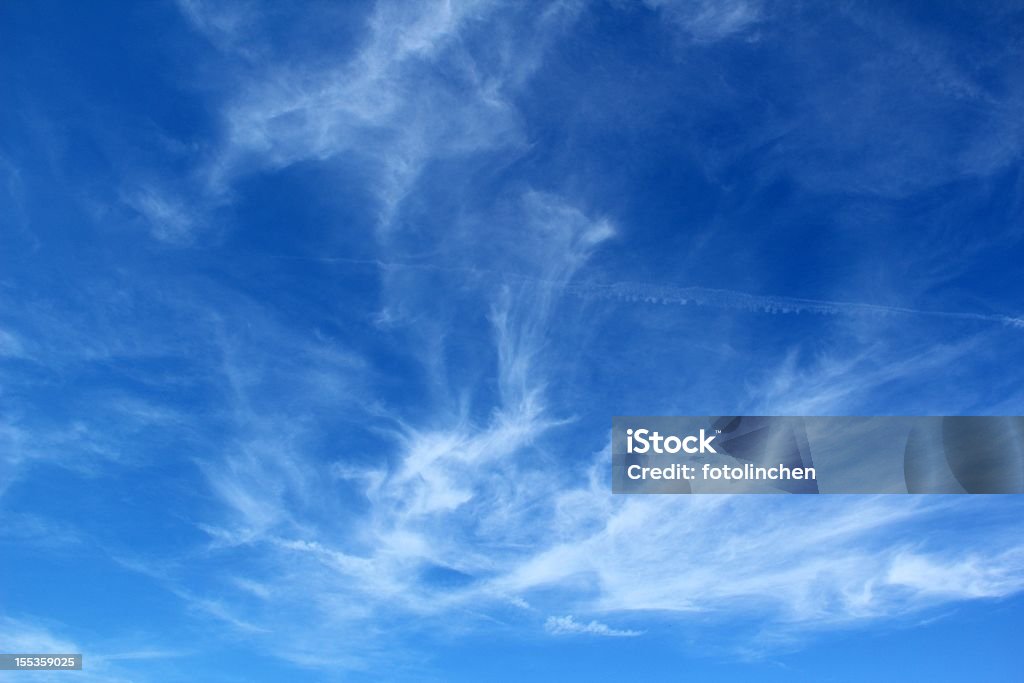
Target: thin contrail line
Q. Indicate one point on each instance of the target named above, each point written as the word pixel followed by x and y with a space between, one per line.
pixel 701 296
pixel 725 298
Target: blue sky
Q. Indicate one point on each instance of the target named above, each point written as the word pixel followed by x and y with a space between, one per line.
pixel 313 319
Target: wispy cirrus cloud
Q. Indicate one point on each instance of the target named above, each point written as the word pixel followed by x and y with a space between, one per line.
pixel 466 503
pixel 395 428
pixel 413 91
pixel 472 511
pixel 567 625
pixel 706 21
pixel 100 663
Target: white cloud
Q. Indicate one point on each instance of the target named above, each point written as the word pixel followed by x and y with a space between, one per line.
pixel 964 577
pixel 471 508
pixel 472 500
pixel 709 20
pixel 225 24
pixel 171 220
pixel 567 625
pixel 387 104
pixel 98 666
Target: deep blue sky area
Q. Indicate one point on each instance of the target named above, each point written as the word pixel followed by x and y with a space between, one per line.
pixel 313 318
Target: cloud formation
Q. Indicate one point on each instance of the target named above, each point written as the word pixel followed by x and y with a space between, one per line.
pixel 357 370
pixel 567 625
